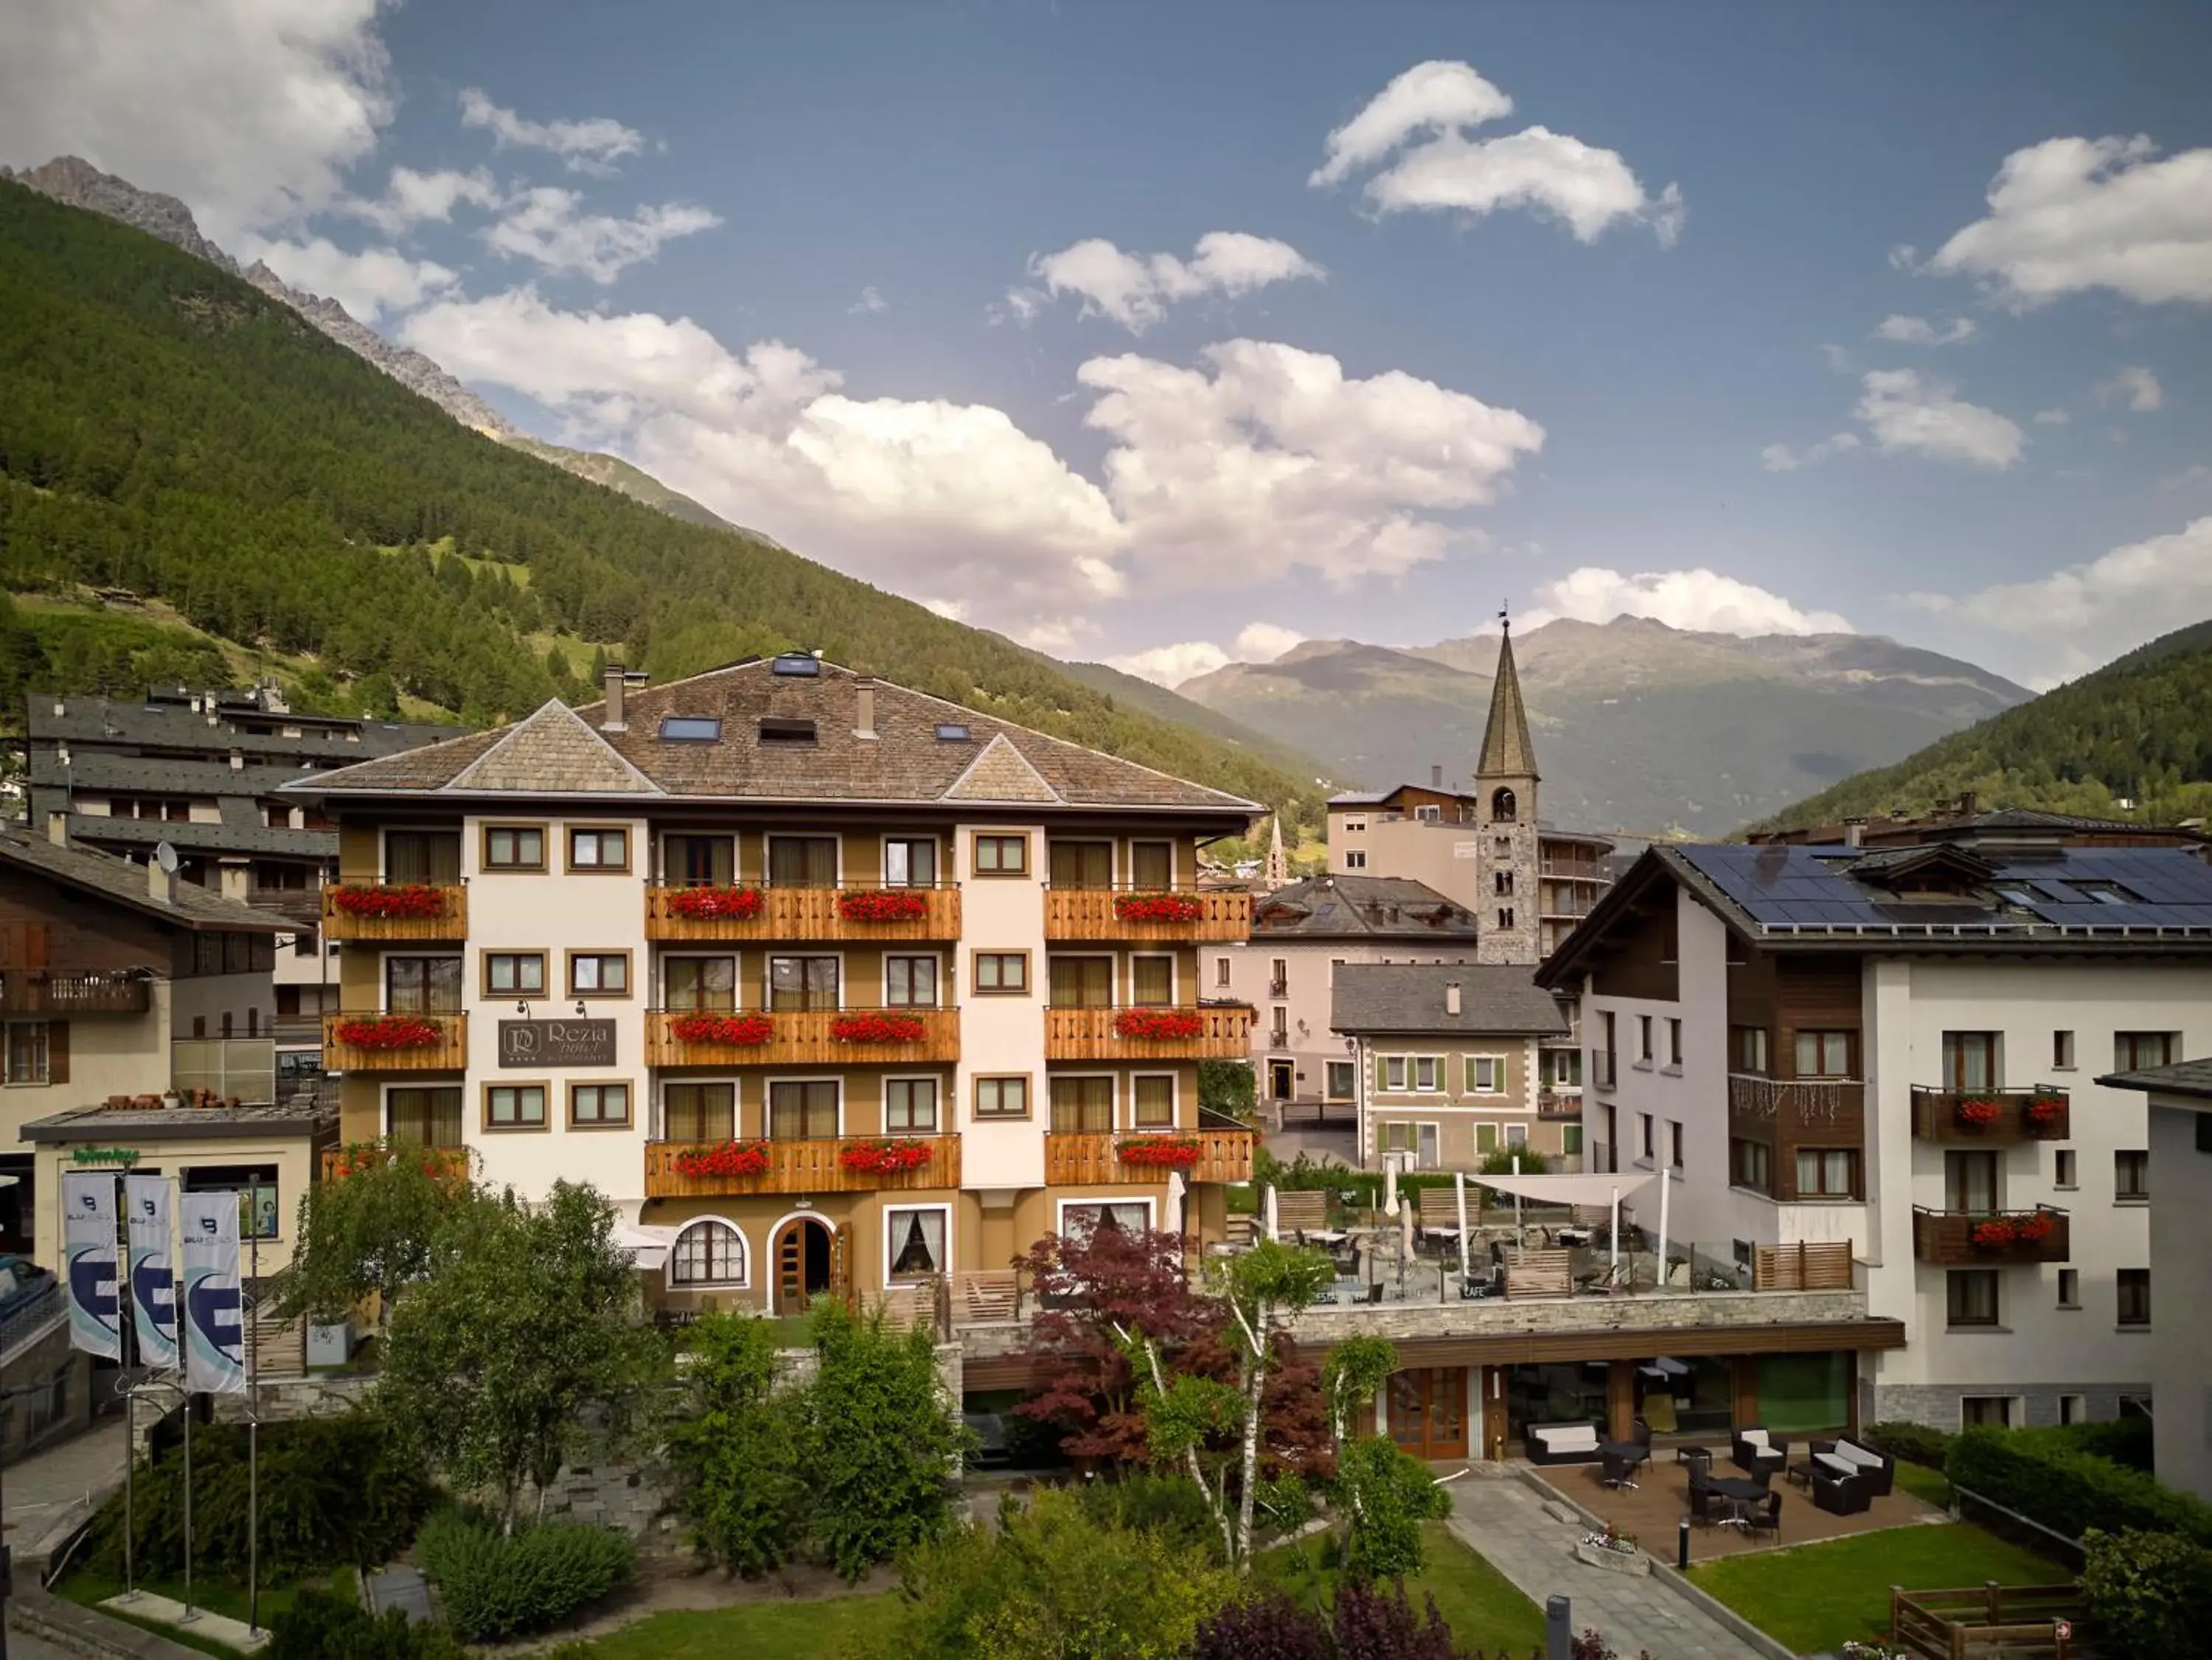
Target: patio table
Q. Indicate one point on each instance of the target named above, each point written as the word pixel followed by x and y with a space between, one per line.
pixel 1731 1486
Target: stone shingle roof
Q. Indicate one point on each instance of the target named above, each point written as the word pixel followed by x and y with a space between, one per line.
pixel 103 832
pixel 2182 1078
pixel 1382 997
pixel 553 750
pixel 101 1124
pixel 1360 908
pixel 906 761
pixel 113 879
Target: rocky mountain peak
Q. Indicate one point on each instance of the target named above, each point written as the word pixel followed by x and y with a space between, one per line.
pixel 74 182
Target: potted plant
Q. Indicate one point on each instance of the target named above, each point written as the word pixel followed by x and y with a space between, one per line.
pixel 877 1026
pixel 1978 1111
pixel 388 899
pixel 389 1032
pixel 713 904
pixel 2045 1114
pixel 883 1157
pixel 1157 1024
pixel 737 1031
pixel 883 905
pixel 724 1158
pixel 1158 907
pixel 1159 1152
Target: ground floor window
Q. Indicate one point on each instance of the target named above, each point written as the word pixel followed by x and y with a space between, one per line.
pixel 1079 1219
pixel 1751 1164
pixel 1985 1411
pixel 1417 1141
pixel 259 1213
pixel 915 1241
pixel 26 1052
pixel 1693 1396
pixel 707 1253
pixel 1341 1080
pixel 1798 1393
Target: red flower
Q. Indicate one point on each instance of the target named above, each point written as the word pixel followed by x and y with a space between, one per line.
pixel 877 1028
pixel 2033 1229
pixel 1994 1233
pixel 713 904
pixel 2045 1109
pixel 728 1159
pixel 883 905
pixel 883 1158
pixel 738 1031
pixel 390 1031
pixel 1158 907
pixel 1979 1110
pixel 392 899
pixel 1160 1152
pixel 1157 1023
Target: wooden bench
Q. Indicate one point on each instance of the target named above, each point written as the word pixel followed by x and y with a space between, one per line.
pixel 1539 1273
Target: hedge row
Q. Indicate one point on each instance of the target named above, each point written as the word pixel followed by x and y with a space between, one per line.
pixel 2046 1476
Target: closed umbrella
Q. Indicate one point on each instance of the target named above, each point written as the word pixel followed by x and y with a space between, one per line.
pixel 1459 1194
pixel 1274 1212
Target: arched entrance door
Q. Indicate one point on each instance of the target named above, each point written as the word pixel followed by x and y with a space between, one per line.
pixel 807 1262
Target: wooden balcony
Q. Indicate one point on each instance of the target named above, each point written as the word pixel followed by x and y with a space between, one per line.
pixel 448 1051
pixel 1821 1104
pixel 1098 914
pixel 1078 1161
pixel 1223 1033
pixel 797 1167
pixel 804 1038
pixel 1957 1239
pixel 445 916
pixel 805 913
pixel 40 991
pixel 2044 1113
pixel 1550 1104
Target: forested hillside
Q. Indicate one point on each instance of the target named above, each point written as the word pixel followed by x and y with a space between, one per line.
pixel 2140 729
pixel 167 430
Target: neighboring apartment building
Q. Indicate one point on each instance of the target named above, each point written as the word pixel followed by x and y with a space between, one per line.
pixel 118 982
pixel 1896 1048
pixel 2180 1098
pixel 1301 934
pixel 1446 1056
pixel 835 984
pixel 201 771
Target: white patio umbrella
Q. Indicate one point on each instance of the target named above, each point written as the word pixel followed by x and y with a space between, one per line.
pixel 1459 1196
pixel 1666 1192
pixel 1272 1213
pixel 1389 1187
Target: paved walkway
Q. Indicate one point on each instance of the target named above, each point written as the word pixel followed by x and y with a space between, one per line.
pixel 1507 1523
pixel 58 1486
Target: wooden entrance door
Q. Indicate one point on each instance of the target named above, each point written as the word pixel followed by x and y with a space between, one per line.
pixel 1282 1084
pixel 1428 1411
pixel 1495 1429
pixel 804 1263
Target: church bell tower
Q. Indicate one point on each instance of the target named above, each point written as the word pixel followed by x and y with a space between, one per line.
pixel 1507 898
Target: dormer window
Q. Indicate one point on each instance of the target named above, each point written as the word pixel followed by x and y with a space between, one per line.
pixel 781 729
pixel 797 665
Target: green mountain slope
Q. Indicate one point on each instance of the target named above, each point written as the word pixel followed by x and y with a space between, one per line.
pixel 167 431
pixel 2138 730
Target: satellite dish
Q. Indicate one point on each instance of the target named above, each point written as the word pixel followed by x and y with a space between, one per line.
pixel 166 857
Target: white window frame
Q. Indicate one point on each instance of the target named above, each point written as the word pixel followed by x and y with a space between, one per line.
pixel 1061 1207
pixel 891 1239
pixel 933 1078
pixel 1516 1136
pixel 744 1247
pixel 1355 858
pixel 1174 977
pixel 1435 1065
pixel 469 1133
pixel 1351 1091
pixel 1175 1104
pixel 1471 1077
pixel 1127 852
pixel 884 860
pixel 768 1097
pixel 1401 1065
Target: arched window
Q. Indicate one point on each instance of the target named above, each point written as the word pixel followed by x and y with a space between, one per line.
pixel 707 1253
pixel 1501 806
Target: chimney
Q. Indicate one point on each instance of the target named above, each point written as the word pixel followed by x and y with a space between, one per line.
pixel 1451 997
pixel 161 885
pixel 1968 803
pixel 57 829
pixel 1854 832
pixel 864 707
pixel 238 760
pixel 1435 775
pixel 235 877
pixel 61 708
pixel 612 720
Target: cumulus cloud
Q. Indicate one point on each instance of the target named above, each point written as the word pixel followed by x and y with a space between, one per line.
pixel 868 303
pixel 2074 214
pixel 1701 600
pixel 1019 308
pixel 547 225
pixel 1905 411
pixel 1136 289
pixel 1172 666
pixel 412 197
pixel 1263 642
pixel 1268 459
pixel 1781 458
pixel 370 284
pixel 1919 331
pixel 2135 386
pixel 249 109
pixel 1422 118
pixel 592 145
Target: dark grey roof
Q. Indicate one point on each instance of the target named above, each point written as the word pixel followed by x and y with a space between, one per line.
pixel 167 724
pixel 104 830
pixel 101 1124
pixel 126 884
pixel 100 770
pixel 1377 998
pixel 2182 1078
pixel 1359 907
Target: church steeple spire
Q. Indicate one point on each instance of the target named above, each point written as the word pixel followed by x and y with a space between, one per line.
pixel 1507 752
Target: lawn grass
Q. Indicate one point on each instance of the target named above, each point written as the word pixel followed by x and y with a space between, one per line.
pixel 1477 1601
pixel 1816 1597
pixel 1930 1486
pixel 826 1628
pixel 90 1589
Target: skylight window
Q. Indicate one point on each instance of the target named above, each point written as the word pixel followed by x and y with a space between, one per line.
pixel 953 731
pixel 776 729
pixel 801 666
pixel 2106 893
pixel 690 728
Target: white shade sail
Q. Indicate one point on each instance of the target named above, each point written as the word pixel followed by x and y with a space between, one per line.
pixel 1597 1189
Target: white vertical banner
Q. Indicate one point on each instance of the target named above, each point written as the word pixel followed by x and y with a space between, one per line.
pixel 88 1259
pixel 214 1339
pixel 147 1203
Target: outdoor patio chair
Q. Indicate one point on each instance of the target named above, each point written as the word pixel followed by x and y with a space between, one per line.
pixel 1841 1495
pixel 1877 1469
pixel 1616 1470
pixel 1756 1453
pixel 1702 1497
pixel 1765 1517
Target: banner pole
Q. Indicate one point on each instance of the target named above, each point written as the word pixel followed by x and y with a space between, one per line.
pixel 188 1504
pixel 253 1446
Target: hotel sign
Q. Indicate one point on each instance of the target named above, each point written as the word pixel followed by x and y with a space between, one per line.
pixel 122 1156
pixel 556 1043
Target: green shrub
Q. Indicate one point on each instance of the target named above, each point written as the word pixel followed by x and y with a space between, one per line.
pixel 1387 1494
pixel 2150 1593
pixel 320 1626
pixel 1916 1444
pixel 2123 1440
pixel 1144 1503
pixel 496 1585
pixel 2039 1474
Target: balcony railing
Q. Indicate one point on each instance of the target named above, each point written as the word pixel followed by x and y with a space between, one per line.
pixel 40 991
pixel 1999 1116
pixel 1806 1103
pixel 395 910
pixel 1220 1032
pixel 1076 1161
pixel 1553 1104
pixel 364 1043
pixel 799 1037
pixel 817 1166
pixel 1991 1238
pixel 752 910
pixel 1123 913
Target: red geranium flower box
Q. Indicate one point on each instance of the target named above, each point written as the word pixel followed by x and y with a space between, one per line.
pixel 883 1158
pixel 729 1159
pixel 389 899
pixel 877 1028
pixel 1979 1110
pixel 1157 1023
pixel 390 1031
pixel 1159 1152
pixel 740 1031
pixel 2047 1109
pixel 883 905
pixel 714 904
pixel 1995 1234
pixel 1158 907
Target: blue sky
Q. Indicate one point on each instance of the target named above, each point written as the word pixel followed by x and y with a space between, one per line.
pixel 1585 321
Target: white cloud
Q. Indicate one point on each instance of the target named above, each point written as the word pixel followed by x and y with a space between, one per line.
pixel 1781 458
pixel 1263 642
pixel 2135 385
pixel 1171 666
pixel 1701 600
pixel 1269 459
pixel 249 109
pixel 2051 417
pixel 1905 411
pixel 1919 331
pixel 412 197
pixel 369 284
pixel 591 146
pixel 2074 214
pixel 952 610
pixel 1135 290
pixel 1555 173
pixel 547 225
pixel 1018 307
pixel 868 303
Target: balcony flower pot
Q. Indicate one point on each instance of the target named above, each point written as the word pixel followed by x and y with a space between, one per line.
pixel 1159 1152
pixel 883 905
pixel 730 1159
pixel 387 1032
pixel 389 899
pixel 2046 1115
pixel 1977 1111
pixel 1157 1024
pixel 736 1031
pixel 883 1158
pixel 713 904
pixel 1993 1234
pixel 877 1028
pixel 1158 907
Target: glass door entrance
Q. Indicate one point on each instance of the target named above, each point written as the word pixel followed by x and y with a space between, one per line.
pixel 1428 1411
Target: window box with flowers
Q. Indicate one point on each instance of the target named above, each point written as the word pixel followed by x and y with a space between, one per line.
pixel 2046 1115
pixel 883 905
pixel 389 1032
pixel 735 1031
pixel 1977 1111
pixel 2003 1232
pixel 713 904
pixel 1158 907
pixel 873 1027
pixel 385 900
pixel 1159 1152
pixel 728 1159
pixel 1157 1024
pixel 883 1158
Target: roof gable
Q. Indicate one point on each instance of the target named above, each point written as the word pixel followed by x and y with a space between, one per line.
pixel 553 752
pixel 1001 773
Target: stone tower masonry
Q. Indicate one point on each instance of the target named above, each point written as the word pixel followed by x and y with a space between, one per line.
pixel 1505 794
